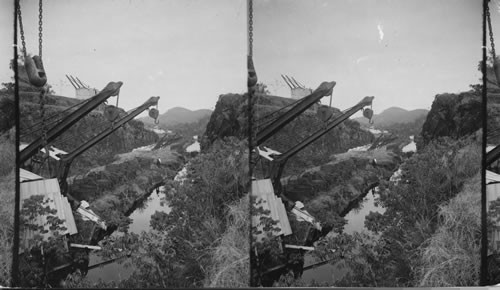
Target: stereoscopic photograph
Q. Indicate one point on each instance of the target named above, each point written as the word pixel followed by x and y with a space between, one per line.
pixel 367 139
pixel 249 143
pixel 125 177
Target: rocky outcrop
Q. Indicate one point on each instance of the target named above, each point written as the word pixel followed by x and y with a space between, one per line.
pixel 230 119
pixel 452 115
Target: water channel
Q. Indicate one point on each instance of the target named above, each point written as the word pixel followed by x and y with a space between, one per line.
pixel 141 217
pixel 355 223
pixel 117 271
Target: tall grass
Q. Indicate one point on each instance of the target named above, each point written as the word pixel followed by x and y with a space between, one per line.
pixel 7 195
pixel 230 265
pixel 451 256
pixel 7 152
pixel 7 190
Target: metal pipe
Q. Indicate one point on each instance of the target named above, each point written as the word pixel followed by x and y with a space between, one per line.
pixel 83 85
pixel 71 82
pixel 286 82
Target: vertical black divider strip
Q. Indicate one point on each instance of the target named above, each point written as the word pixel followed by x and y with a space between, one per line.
pixel 15 244
pixel 250 167
pixel 484 234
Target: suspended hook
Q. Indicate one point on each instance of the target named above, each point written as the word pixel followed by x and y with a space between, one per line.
pixel 368 113
pixel 35 71
pixel 252 75
pixel 324 113
pixel 154 113
pixel 111 113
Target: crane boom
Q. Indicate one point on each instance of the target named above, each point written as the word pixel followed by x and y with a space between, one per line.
pixel 493 155
pixel 111 89
pixel 279 162
pixel 66 160
pixel 325 89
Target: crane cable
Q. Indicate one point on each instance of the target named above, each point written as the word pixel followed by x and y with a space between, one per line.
pixel 44 86
pixel 492 42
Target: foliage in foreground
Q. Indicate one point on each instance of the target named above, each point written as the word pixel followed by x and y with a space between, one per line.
pixel 230 265
pixel 451 256
pixel 7 190
pixel 187 246
pixel 7 194
pixel 417 215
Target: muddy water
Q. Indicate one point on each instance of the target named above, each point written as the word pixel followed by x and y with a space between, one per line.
pixel 117 271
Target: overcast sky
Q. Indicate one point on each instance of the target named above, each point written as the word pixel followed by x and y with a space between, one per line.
pixel 401 52
pixel 188 52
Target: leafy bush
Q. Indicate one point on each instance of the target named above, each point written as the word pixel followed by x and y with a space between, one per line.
pixel 411 236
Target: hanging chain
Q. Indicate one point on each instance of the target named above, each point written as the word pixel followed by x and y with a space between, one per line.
pixel 21 30
pixel 488 17
pixel 42 116
pixel 40 25
pixel 250 28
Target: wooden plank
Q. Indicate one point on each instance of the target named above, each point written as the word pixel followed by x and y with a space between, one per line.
pixel 285 223
pixel 85 246
pixel 299 247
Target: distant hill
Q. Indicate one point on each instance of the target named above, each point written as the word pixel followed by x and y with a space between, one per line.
pixel 394 115
pixel 178 115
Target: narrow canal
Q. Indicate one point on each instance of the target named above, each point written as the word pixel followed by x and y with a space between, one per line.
pixel 141 217
pixel 355 223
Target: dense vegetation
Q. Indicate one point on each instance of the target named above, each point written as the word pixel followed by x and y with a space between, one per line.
pixel 409 244
pixel 187 247
pixel 7 181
